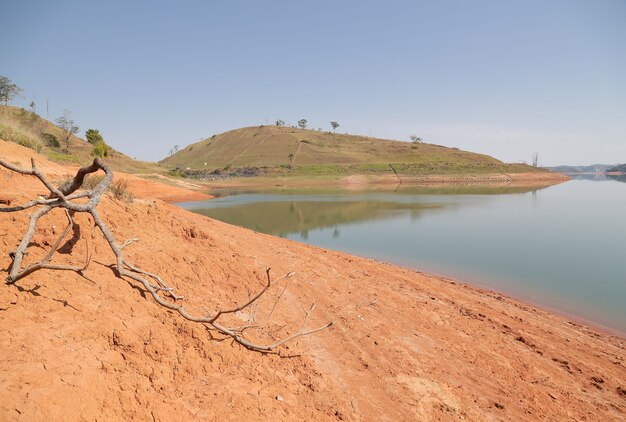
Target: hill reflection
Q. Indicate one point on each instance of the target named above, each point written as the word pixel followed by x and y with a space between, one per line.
pixel 281 212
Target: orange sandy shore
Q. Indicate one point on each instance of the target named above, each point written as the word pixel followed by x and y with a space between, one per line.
pixel 405 345
pixel 388 181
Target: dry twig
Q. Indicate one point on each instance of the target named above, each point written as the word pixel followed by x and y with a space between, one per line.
pixel 64 197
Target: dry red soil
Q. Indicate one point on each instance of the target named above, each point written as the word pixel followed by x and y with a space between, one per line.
pixel 404 346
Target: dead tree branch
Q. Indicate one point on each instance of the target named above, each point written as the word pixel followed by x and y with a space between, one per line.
pixel 65 196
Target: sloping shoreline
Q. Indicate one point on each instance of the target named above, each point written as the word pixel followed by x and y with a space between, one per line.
pixel 405 345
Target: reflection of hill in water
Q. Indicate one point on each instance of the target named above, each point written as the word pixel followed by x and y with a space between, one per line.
pixel 303 210
pixel 617 177
pixel 440 189
pixel 594 177
pixel 599 177
pixel 284 217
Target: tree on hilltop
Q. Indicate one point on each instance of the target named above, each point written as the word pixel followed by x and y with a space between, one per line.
pixel 8 90
pixel 302 123
pixel 416 139
pixel 335 125
pixel 280 122
pixel 535 159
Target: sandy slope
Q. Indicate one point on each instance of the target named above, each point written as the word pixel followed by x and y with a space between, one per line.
pixel 405 345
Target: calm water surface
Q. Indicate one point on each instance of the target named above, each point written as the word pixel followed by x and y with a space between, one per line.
pixel 561 247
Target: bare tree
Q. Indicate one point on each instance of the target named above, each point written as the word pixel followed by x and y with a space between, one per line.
pixel 68 126
pixel 416 139
pixel 65 197
pixel 535 160
pixel 335 125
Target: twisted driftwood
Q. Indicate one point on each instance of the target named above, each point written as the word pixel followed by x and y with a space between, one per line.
pixel 64 197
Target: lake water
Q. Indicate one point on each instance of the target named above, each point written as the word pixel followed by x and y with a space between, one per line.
pixel 561 247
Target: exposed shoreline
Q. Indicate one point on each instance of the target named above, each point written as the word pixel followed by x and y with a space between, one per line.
pixel 514 295
pixel 406 345
pixel 362 181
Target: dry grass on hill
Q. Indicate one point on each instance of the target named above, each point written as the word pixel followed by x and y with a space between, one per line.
pixel 33 131
pixel 299 151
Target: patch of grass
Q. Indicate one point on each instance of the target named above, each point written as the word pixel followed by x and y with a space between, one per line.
pixel 118 188
pixel 61 157
pixel 19 137
pixel 91 181
pixel 177 172
pixel 120 191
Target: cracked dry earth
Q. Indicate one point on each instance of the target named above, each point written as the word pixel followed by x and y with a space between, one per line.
pixel 405 345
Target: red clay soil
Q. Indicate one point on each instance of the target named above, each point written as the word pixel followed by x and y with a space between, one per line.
pixel 405 345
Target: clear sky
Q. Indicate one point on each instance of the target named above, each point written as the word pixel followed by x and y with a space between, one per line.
pixel 505 78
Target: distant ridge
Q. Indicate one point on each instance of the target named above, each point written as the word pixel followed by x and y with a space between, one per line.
pixel 618 169
pixel 594 168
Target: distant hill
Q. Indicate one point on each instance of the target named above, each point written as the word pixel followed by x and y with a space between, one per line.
pixel 618 169
pixel 309 152
pixel 35 132
pixel 594 168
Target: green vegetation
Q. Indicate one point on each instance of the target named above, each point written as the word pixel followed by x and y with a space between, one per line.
pixel 51 140
pixel 62 157
pixel 100 148
pixel 280 150
pixel 93 136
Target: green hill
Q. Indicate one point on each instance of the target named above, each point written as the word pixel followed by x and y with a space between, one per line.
pixel 286 150
pixel 31 130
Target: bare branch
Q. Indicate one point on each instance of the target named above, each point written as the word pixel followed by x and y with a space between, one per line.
pixel 248 303
pixel 64 196
pixel 280 295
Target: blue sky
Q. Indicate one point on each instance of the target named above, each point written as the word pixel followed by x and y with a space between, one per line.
pixel 505 78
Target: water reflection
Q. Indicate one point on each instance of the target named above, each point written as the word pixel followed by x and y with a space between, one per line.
pixel 617 177
pixel 283 217
pixel 281 212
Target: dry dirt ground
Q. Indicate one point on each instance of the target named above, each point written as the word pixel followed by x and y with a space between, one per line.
pixel 405 345
pixel 388 182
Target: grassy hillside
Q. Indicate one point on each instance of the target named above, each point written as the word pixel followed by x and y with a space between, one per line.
pixel 29 129
pixel 286 150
